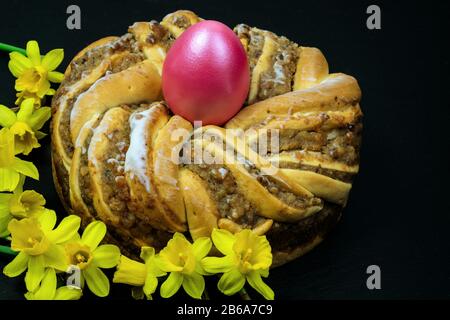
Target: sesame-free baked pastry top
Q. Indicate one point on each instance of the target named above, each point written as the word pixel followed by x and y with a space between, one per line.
pixel 112 141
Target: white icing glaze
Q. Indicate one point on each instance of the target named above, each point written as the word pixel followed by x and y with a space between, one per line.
pixel 136 157
pixel 75 110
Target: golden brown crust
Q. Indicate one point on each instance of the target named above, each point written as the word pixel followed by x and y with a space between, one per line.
pixel 142 83
pixel 201 210
pixel 91 46
pixel 336 93
pixel 167 146
pixel 98 157
pixel 312 68
pixel 79 171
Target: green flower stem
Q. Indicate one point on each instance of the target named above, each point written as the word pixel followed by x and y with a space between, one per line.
pixel 9 48
pixel 244 295
pixel 7 250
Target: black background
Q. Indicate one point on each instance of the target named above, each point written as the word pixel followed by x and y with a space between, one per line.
pixel 398 214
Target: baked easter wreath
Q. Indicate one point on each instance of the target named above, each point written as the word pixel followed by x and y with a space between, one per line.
pixel 112 144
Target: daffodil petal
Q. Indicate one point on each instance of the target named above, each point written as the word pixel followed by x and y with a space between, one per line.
pixel 4 203
pixel 26 110
pixel 201 247
pixel 223 241
pixel 47 289
pixel 147 253
pixel 254 279
pixel 151 283
pixel 194 285
pixel 264 273
pixel 68 293
pixel 93 234
pixel 24 203
pixel 66 230
pixel 179 235
pixel 130 272
pixel 19 188
pixel 171 285
pixel 25 140
pixel 35 273
pixel 231 282
pixel 19 62
pixel 106 256
pixel 165 264
pixel 55 258
pixel 26 168
pixel 15 68
pixel 55 77
pixel 43 89
pixel 17 266
pixel 6 148
pixel 33 52
pixel 7 116
pixel 218 265
pixel 53 59
pixel 97 281
pixel 47 220
pixel 4 220
pixel 39 118
pixel 9 179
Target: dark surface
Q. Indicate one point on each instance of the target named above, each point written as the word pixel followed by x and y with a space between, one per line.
pixel 398 213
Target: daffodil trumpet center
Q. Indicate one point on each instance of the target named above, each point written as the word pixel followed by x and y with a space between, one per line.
pixel 79 255
pixel 245 260
pixel 36 245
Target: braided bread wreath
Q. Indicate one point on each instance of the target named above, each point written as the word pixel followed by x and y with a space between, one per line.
pixel 111 144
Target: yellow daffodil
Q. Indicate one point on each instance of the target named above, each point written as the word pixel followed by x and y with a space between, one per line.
pixel 48 291
pixel 12 167
pixel 247 257
pixel 34 73
pixel 182 260
pixel 23 95
pixel 139 274
pixel 39 246
pixel 89 257
pixel 25 125
pixel 19 204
